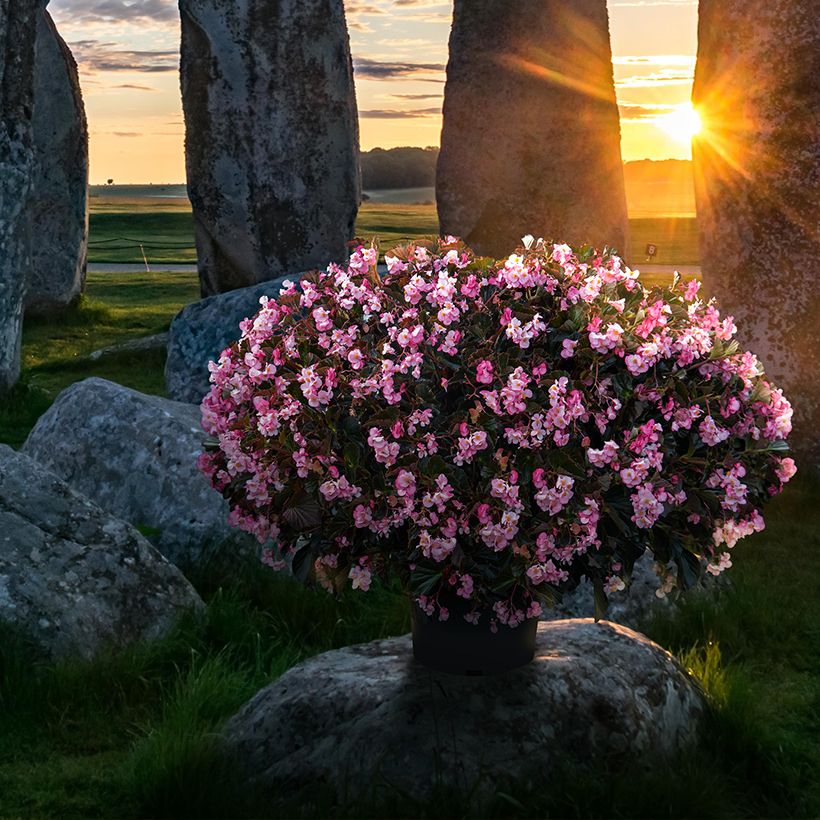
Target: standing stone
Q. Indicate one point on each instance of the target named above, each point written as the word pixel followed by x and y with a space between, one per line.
pixel 17 34
pixel 58 209
pixel 531 137
pixel 272 140
pixel 757 173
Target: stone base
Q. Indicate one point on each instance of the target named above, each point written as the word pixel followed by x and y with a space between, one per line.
pixel 368 717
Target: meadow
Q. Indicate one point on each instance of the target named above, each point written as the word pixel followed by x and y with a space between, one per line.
pixel 134 735
pixel 122 229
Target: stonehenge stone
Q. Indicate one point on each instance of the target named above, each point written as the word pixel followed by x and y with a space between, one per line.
pixel 757 183
pixel 202 330
pixel 136 456
pixel 18 24
pixel 531 135
pixel 58 207
pixel 272 143
pixel 73 579
pixel 366 715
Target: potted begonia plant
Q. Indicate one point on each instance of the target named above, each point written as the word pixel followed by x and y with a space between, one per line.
pixel 491 434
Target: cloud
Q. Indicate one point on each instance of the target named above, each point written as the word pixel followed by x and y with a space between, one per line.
pixel 95 56
pixel 655 60
pixel 126 134
pixel 416 96
pixel 378 70
pixel 115 11
pixel 659 78
pixel 134 87
pixel 396 114
pixel 353 7
pixel 647 111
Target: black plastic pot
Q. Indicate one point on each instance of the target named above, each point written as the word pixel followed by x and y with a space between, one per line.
pixel 461 648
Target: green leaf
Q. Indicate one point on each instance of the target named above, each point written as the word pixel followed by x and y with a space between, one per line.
pixel 601 601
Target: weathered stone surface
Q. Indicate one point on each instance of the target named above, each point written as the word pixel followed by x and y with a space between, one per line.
pixel 18 22
pixel 757 172
pixel 58 206
pixel 202 330
pixel 271 137
pixel 630 607
pixel 136 456
pixel 355 717
pixel 74 579
pixel 531 136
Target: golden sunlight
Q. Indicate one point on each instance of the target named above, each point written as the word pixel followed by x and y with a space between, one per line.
pixel 682 123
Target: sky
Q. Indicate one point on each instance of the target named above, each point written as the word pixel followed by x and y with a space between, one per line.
pixel 127 51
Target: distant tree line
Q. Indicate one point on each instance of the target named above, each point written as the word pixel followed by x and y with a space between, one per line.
pixel 416 168
pixel 399 168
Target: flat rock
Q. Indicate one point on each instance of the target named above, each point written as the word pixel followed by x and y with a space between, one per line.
pixel 757 173
pixel 272 142
pixel 58 205
pixel 202 330
pixel 136 456
pixel 74 579
pixel 531 136
pixel 369 717
pixel 18 24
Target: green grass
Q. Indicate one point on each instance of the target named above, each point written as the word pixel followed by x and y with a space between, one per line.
pixel 135 734
pixel 115 308
pixel 166 232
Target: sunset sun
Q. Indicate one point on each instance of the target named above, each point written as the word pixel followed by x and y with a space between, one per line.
pixel 682 123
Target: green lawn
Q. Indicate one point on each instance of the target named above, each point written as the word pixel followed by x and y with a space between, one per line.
pixel 121 231
pixel 133 735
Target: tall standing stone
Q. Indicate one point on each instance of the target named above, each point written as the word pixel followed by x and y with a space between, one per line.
pixel 757 172
pixel 58 209
pixel 17 34
pixel 271 137
pixel 531 136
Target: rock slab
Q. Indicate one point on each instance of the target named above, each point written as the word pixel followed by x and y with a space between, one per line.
pixel 18 25
pixel 531 136
pixel 366 715
pixel 272 143
pixel 757 173
pixel 202 330
pixel 73 579
pixel 136 456
pixel 58 207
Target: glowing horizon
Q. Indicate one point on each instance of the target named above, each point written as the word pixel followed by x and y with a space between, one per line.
pixel 128 57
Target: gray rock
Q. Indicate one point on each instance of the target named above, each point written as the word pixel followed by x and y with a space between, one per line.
pixel 531 135
pixel 631 607
pixel 757 176
pixel 136 456
pixel 58 207
pixel 158 341
pixel 357 717
pixel 271 137
pixel 18 21
pixel 73 579
pixel 202 330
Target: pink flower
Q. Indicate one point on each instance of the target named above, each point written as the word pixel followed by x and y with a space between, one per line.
pixel 484 372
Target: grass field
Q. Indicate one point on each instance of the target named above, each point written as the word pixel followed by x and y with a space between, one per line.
pixel 121 230
pixel 134 735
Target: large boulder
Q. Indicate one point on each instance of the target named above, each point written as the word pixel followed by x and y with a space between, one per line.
pixel 202 330
pixel 357 717
pixel 18 24
pixel 73 579
pixel 136 456
pixel 58 207
pixel 272 143
pixel 631 607
pixel 757 173
pixel 531 135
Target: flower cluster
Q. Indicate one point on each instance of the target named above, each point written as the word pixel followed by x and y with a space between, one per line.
pixel 493 432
